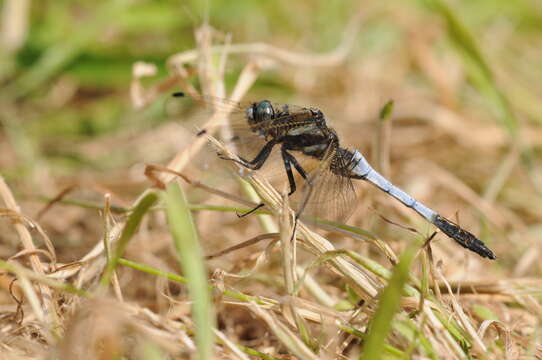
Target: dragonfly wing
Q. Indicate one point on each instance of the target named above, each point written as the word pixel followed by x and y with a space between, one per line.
pixel 325 194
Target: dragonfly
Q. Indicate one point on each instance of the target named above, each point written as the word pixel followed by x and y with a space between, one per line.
pixel 259 128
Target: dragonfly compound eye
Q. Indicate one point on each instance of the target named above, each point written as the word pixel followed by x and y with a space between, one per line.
pixel 263 111
pixel 250 114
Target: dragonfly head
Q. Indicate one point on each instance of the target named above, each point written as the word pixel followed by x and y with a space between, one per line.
pixel 259 112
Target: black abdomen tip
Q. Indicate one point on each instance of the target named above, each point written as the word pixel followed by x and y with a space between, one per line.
pixel 178 94
pixel 463 237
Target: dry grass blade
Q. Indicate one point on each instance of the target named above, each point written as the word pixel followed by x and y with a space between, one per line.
pixel 359 234
pixel 31 296
pixel 469 328
pixel 504 287
pixel 234 350
pixel 286 336
pixel 46 296
pixel 504 334
pixel 55 200
pixel 244 244
pixel 333 58
pixel 151 172
pixel 40 278
pixel 19 218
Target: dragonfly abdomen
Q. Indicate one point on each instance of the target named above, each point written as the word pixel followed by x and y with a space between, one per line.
pixel 363 170
pixel 463 237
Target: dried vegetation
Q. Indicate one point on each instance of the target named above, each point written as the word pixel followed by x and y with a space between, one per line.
pixel 108 261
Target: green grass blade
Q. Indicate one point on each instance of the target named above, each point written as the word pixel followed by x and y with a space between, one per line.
pixel 177 278
pixel 389 304
pixel 43 279
pixel 142 207
pixel 186 242
pixel 386 110
pixel 152 271
pixel 393 352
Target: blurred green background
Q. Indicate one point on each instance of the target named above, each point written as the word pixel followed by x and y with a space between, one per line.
pixel 66 65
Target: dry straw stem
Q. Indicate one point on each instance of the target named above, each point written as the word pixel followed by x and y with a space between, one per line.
pixel 288 242
pixel 502 287
pixel 479 345
pixel 235 352
pixel 107 247
pixel 46 297
pixel 14 25
pixel 332 58
pixel 286 336
pixel 20 218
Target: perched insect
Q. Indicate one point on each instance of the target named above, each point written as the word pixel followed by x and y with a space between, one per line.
pixel 301 132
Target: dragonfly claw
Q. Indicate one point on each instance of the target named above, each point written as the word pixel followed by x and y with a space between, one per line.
pixel 250 211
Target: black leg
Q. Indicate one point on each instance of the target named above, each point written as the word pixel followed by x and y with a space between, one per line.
pixel 260 205
pixel 287 159
pixel 255 164
pixel 290 160
pixel 297 166
pixel 259 160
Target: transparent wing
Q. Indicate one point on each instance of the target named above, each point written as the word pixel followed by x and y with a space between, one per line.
pixel 325 194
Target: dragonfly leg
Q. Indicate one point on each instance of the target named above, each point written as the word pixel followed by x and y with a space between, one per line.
pixel 290 160
pixel 259 160
pixel 260 205
pixel 255 164
pixel 298 167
